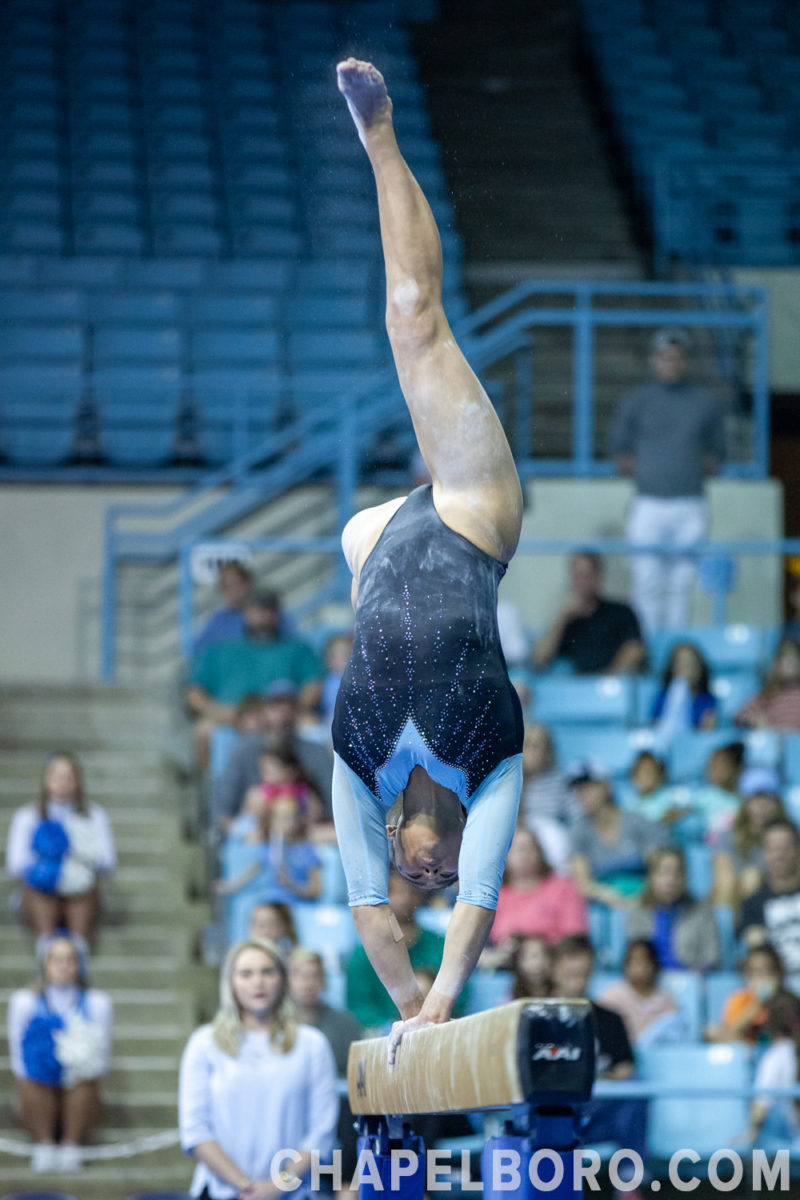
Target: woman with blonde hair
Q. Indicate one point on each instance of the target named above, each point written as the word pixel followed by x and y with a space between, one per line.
pixel 255 1082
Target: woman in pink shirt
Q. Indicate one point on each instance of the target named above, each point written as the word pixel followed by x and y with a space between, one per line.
pixel 533 900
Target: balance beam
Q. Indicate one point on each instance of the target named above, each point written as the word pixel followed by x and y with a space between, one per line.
pixel 529 1050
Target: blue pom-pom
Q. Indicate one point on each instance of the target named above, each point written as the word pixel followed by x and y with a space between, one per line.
pixel 38 1049
pixel 50 840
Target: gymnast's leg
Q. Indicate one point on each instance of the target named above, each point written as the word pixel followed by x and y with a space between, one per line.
pixel 475 483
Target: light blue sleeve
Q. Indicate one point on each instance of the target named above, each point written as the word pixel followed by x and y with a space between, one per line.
pixel 360 820
pixel 195 1117
pixel 491 821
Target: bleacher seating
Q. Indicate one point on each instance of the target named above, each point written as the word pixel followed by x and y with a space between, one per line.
pixel 181 189
pixel 703 100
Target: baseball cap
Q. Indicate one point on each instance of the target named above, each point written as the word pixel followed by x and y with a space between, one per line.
pixel 586 770
pixel 671 335
pixel 758 779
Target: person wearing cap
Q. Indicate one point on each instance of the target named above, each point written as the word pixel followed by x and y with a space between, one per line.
pixel 227 671
pixel 738 853
pixel 59 1036
pixel 772 914
pixel 668 434
pixel 610 845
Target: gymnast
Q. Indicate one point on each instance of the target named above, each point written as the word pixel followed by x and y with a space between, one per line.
pixel 426 715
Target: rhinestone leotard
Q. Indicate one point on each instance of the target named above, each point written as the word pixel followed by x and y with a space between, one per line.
pixel 427 670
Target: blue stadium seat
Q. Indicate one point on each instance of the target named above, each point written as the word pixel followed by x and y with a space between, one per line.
pixel 40 305
pixel 186 237
pixel 173 206
pixel 583 699
pixel 791 757
pixel 732 692
pixel 719 986
pixel 272 274
pixel 129 379
pixel 42 380
pixel 327 928
pixel 176 273
pixel 326 310
pixel 30 235
pixel 120 344
pixel 45 446
pixel 41 342
pixel 109 237
pixel 332 348
pixel 434 919
pixel 487 989
pixel 709 1122
pixel 240 309
pixel 214 347
pixel 614 749
pixel 94 205
pixel 334 884
pixel 689 752
pixel 144 308
pixel 727 648
pixel 698 869
pixel 24 202
pixel 251 239
pixel 686 989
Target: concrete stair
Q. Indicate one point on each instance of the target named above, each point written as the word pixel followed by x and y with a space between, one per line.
pixel 144 949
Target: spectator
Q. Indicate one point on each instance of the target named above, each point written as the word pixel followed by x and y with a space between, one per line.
pixel 619 1120
pixel 685 700
pixel 532 965
pixel 254 1082
pixel 225 672
pixel 59 1036
pixel 279 730
pixel 534 900
pixel 738 853
pixel 594 634
pixel 669 435
pixel 367 999
pixel 273 922
pixel 58 849
pixel 610 846
pixel 777 706
pixel 306 986
pixel 717 799
pixel 282 777
pixel 684 931
pixel 287 866
pixel 650 1014
pixel 234 584
pixel 772 1116
pixel 546 795
pixel 772 914
pixel 337 655
pixel 745 1010
pixel 655 798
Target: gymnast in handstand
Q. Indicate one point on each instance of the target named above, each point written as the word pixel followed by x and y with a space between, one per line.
pixel 426 713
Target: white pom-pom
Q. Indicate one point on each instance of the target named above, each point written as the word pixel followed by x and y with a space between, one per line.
pixel 79 1047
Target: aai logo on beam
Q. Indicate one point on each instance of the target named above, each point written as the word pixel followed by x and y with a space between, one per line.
pixel 552 1052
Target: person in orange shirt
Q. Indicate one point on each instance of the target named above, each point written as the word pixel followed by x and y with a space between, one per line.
pixel 745 1010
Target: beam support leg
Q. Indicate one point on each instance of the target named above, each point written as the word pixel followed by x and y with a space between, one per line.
pixel 533 1157
pixel 391 1160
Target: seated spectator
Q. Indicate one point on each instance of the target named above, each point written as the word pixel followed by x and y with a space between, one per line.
pixel 772 914
pixel 278 730
pixel 610 846
pixel 306 985
pixel 533 900
pixel 59 848
pixel 225 672
pixel 287 866
pixel 254 1083
pixel 337 655
pixel 273 922
pixel 684 931
pixel 59 1036
pixel 234 584
pixel 738 853
pixel 745 1010
pixel 596 635
pixel 650 1014
pixel 655 798
pixel 717 799
pixel 532 965
pixel 546 796
pixel 777 705
pixel 367 999
pixel 619 1120
pixel 685 700
pixel 772 1116
pixel 282 777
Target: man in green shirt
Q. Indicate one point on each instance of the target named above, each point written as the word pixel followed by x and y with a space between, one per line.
pixel 225 672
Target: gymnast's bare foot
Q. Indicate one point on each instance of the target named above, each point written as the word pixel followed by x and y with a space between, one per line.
pixel 363 88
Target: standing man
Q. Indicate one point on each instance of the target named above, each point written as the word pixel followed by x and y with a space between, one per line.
pixel 668 434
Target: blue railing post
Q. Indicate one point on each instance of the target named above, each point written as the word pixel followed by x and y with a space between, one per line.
pixel 185 600
pixel 583 370
pixel 523 400
pixel 108 611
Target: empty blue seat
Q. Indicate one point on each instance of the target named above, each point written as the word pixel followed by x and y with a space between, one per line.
pixel 146 308
pixel 118 344
pixel 488 989
pixel 24 202
pixel 614 749
pixel 733 691
pixel 93 205
pixel 38 380
pixel 328 310
pixel 41 305
pixel 326 928
pixel 109 237
pixel 185 206
pixel 686 989
pixel 189 237
pixel 703 1122
pixel 130 379
pixel 86 271
pixel 104 173
pixel 271 274
pixel 243 309
pixel 216 346
pixel 46 446
pixel 43 342
pixel 791 757
pixel 265 239
pixel 581 699
pixel 334 884
pixel 262 207
pixel 178 274
pixel 30 235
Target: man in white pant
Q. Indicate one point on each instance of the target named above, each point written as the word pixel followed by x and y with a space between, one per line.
pixel 669 435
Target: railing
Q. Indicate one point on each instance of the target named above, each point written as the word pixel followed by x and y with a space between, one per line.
pixel 717 554
pixel 334 436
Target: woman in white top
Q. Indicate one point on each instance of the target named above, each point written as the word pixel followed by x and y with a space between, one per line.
pixel 777 1068
pixel 57 848
pixel 254 1083
pixel 59 1036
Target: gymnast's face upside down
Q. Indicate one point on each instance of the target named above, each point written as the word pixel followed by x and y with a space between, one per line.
pixel 426 840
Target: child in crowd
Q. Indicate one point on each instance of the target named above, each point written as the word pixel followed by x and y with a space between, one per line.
pixel 650 1014
pixel 738 857
pixel 655 798
pixel 287 865
pixel 777 705
pixel 685 700
pixel 282 777
pixel 745 1010
pixel 684 931
pixel 249 715
pixel 273 923
pixel 532 965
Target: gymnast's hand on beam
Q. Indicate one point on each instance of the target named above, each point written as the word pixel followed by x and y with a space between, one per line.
pixel 400 1028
